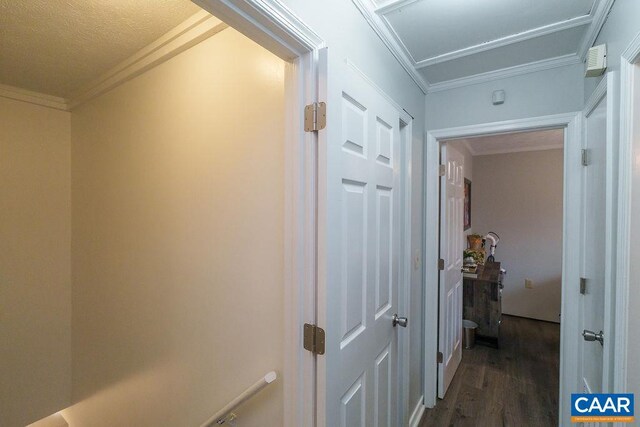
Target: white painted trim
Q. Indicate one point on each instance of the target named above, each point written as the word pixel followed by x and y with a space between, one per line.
pixel 195 29
pixel 31 97
pixel 516 70
pixel 272 25
pixel 572 122
pixel 631 54
pixel 628 67
pixel 505 41
pixel 600 14
pixel 519 150
pixel 596 96
pixel 406 263
pixel 417 414
pixel 269 23
pixel 400 53
pixel 391 5
pixel 610 348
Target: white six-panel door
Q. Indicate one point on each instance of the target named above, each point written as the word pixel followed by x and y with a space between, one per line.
pixel 594 181
pixel 451 251
pixel 360 366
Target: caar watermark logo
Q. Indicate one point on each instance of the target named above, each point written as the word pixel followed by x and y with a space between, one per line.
pixel 602 408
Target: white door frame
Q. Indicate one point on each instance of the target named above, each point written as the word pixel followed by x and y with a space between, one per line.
pixel 628 62
pixel 570 339
pixel 273 26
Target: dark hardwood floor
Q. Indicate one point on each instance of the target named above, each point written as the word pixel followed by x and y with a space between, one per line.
pixel 515 385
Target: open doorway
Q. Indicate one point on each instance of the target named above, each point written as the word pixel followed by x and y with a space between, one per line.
pixel 587 249
pixel 501 223
pixel 163 186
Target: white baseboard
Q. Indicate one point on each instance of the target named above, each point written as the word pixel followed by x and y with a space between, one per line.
pixel 417 414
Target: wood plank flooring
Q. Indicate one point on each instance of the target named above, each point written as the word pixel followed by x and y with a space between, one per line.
pixel 515 385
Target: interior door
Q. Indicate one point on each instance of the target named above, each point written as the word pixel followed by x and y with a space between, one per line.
pixel 594 255
pixel 362 152
pixel 451 251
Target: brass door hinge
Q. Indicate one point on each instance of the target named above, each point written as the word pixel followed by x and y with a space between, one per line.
pixel 313 339
pixel 440 357
pixel 315 117
pixel 443 170
pixel 586 157
pixel 440 264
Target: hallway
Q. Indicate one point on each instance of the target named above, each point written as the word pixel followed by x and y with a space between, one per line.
pixel 516 385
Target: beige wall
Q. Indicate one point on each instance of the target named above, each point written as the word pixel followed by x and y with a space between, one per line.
pixel 35 278
pixel 178 241
pixel 519 196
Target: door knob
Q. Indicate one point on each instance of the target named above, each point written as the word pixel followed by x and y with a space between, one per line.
pixel 592 336
pixel 402 321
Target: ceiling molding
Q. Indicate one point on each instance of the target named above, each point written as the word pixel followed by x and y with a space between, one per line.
pixel 517 150
pixel 197 28
pixel 398 51
pixel 31 97
pixel 596 96
pixel 469 147
pixel 532 67
pixel 600 15
pixel 391 5
pixel 505 41
pixel 194 30
pixel 270 23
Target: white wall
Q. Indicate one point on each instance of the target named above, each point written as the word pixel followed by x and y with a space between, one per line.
pixel 177 181
pixel 348 35
pixel 35 278
pixel 519 196
pixel 555 91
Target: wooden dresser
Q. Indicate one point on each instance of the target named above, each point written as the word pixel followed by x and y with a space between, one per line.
pixel 482 302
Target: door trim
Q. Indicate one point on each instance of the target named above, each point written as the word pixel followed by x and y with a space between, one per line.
pixel 629 61
pixel 572 124
pixel 606 88
pixel 276 28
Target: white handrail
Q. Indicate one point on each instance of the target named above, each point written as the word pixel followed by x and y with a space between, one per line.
pixel 221 416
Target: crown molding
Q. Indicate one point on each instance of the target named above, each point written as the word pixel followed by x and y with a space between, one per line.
pixel 392 5
pixel 532 67
pixel 595 97
pixel 469 147
pixel 195 29
pixel 600 14
pixel 505 41
pixel 31 97
pixel 632 53
pixel 398 51
pixel 269 23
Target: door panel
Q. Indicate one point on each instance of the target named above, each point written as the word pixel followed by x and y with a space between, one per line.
pixel 362 265
pixel 594 181
pixel 451 250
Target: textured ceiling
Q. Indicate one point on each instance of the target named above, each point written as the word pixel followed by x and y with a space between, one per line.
pixel 56 46
pixel 514 142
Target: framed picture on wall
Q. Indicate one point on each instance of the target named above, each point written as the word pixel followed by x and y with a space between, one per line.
pixel 467 204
